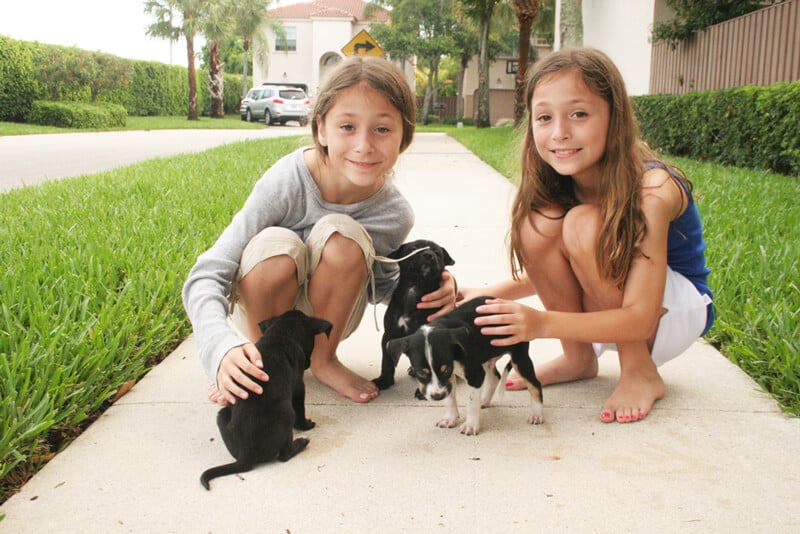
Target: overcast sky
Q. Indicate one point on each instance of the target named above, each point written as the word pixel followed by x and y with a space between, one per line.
pixel 114 26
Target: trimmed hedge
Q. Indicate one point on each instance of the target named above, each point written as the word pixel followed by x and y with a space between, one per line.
pixel 78 114
pixel 33 71
pixel 749 126
pixel 16 80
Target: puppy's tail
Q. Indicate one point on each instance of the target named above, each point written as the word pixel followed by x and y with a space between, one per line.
pixel 501 386
pixel 222 470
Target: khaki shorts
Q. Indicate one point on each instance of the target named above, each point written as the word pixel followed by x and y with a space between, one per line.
pixel 277 241
pixel 681 325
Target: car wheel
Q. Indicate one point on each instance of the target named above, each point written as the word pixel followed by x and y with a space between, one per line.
pixel 267 117
pixel 303 122
pixel 248 116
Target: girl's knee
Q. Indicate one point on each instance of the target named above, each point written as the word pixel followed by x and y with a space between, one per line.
pixel 343 253
pixel 581 230
pixel 278 271
pixel 541 233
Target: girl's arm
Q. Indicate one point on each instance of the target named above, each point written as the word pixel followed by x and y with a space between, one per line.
pixel 507 289
pixel 637 317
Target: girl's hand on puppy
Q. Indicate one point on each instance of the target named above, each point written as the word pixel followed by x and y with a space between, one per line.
pixel 507 318
pixel 444 297
pixel 232 376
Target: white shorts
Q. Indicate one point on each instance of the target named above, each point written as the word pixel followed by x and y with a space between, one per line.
pixel 276 241
pixel 680 326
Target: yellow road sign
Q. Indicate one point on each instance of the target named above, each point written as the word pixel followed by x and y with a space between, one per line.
pixel 362 45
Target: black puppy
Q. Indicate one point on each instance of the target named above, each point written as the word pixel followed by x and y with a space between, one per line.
pixel 420 274
pixel 453 340
pixel 259 429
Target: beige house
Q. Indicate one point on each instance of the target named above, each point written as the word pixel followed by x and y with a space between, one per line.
pixel 316 32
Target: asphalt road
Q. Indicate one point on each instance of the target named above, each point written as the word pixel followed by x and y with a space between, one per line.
pixel 27 160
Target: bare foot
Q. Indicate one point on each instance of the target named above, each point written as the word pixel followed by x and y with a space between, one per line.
pixel 562 369
pixel 345 382
pixel 515 382
pixel 634 396
pixel 214 395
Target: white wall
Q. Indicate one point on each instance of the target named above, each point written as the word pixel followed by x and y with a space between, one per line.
pixel 621 29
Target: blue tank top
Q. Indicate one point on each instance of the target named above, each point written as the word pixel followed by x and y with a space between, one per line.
pixel 686 246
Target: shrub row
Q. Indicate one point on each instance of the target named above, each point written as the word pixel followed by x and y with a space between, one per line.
pixel 78 114
pixel 32 71
pixel 16 80
pixel 755 127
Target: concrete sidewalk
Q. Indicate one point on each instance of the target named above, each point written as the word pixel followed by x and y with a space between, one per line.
pixel 716 455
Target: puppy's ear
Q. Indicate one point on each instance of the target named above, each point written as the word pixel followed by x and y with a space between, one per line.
pixel 446 257
pixel 263 325
pixel 321 326
pixel 399 252
pixel 459 337
pixel 395 347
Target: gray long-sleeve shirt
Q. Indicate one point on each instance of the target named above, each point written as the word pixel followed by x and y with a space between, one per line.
pixel 287 196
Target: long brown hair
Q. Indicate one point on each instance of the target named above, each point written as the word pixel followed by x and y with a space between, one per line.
pixel 621 168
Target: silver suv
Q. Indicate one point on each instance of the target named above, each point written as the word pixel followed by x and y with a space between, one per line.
pixel 276 104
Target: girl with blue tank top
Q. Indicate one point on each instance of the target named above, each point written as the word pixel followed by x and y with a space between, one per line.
pixel 606 235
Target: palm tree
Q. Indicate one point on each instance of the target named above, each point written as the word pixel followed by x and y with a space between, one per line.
pixel 526 11
pixel 481 11
pixel 249 16
pixel 217 25
pixel 164 27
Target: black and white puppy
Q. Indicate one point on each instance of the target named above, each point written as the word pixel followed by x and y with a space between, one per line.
pixel 259 429
pixel 453 341
pixel 420 274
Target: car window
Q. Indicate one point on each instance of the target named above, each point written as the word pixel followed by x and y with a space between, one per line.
pixel 292 94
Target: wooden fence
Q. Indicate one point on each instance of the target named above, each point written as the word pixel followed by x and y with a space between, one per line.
pixel 445 106
pixel 760 48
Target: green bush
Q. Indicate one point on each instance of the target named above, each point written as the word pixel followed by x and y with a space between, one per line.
pixel 747 126
pixel 16 80
pixel 78 114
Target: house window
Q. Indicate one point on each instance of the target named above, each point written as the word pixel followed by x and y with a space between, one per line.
pixel 286 39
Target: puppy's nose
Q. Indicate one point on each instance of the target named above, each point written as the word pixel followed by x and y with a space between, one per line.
pixel 438 395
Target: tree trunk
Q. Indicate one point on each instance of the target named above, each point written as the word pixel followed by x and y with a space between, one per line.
pixel 525 24
pixel 245 66
pixel 192 78
pixel 216 82
pixel 483 120
pixel 429 91
pixel 460 88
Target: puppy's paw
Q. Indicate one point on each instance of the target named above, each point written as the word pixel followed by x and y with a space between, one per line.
pixel 305 424
pixel 469 429
pixel 383 383
pixel 419 395
pixel 447 422
pixel 536 418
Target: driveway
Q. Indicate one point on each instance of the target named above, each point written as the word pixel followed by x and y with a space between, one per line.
pixel 33 159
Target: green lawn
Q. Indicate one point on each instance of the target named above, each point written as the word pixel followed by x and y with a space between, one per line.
pixel 91 270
